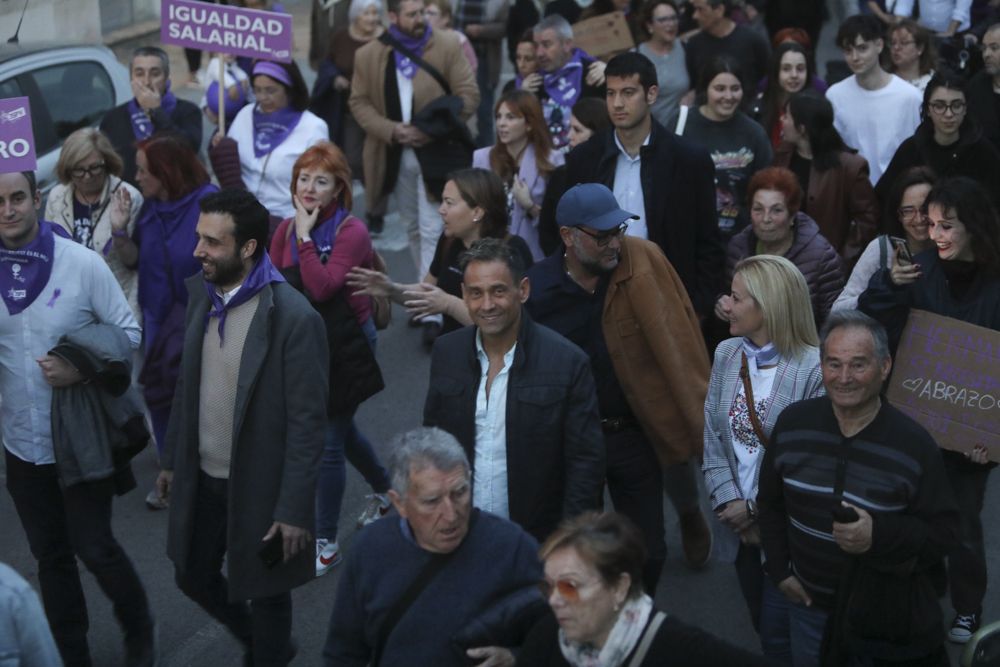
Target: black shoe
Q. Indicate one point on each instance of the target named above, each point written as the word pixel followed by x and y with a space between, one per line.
pixel 140 649
pixel 376 223
pixel 293 650
pixel 431 330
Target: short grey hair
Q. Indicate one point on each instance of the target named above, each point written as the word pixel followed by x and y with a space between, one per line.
pixel 422 448
pixel 855 319
pixel 151 51
pixel 359 6
pixel 554 22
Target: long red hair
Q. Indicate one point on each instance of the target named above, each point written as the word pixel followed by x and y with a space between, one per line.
pixel 174 164
pixel 524 104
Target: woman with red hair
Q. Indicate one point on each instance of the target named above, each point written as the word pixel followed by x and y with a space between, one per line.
pixel 523 158
pixel 314 250
pixel 779 227
pixel 172 181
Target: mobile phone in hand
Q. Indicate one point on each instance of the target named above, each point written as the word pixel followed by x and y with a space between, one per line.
pixel 272 552
pixel 902 249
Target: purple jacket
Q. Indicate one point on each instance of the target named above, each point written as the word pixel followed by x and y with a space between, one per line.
pixel 810 251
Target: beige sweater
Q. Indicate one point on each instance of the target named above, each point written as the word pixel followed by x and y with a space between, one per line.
pixel 220 372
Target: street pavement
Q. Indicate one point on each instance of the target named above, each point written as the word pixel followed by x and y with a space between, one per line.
pixel 708 598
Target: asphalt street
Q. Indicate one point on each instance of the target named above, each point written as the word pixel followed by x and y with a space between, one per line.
pixel 708 598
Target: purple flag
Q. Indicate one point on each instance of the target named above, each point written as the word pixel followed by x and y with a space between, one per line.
pixel 17 142
pixel 242 32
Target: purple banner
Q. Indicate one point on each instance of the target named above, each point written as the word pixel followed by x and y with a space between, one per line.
pixel 220 28
pixel 17 142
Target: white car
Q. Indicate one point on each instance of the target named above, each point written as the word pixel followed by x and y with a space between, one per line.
pixel 69 87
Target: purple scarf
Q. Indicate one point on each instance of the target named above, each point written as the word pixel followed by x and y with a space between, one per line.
pixel 322 234
pixel 25 272
pixel 565 84
pixel 270 129
pixel 416 45
pixel 142 125
pixel 262 274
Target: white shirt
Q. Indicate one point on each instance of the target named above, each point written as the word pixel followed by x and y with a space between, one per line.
pixel 489 479
pixel 628 188
pixel 81 291
pixel 875 122
pixel 936 15
pixel 405 95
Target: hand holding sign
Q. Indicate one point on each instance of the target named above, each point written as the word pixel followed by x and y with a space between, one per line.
pixel 223 29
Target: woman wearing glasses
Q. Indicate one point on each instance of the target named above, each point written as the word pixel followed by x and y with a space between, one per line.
pixel 600 613
pixel 948 141
pixel 905 218
pixel 90 190
pixel 911 53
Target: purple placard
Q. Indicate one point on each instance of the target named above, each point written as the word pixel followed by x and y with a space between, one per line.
pixel 17 142
pixel 220 28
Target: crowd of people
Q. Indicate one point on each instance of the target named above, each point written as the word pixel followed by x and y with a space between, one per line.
pixel 686 264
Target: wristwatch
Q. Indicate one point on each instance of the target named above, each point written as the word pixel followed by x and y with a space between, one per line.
pixel 752 509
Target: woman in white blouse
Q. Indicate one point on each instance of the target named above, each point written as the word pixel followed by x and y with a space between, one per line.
pixel 771 362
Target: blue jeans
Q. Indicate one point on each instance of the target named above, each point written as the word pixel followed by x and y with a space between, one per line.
pixel 790 634
pixel 343 439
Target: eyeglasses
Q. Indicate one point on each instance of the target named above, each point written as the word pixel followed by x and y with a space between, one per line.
pixel 604 238
pixel 940 106
pixel 666 19
pixel 908 213
pixel 92 170
pixel 568 590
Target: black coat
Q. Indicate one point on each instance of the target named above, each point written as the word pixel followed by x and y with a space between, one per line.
pixel 983 106
pixel 555 448
pixel 185 122
pixel 678 187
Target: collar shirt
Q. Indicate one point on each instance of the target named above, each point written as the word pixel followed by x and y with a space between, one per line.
pixel 489 479
pixel 81 290
pixel 228 296
pixel 628 188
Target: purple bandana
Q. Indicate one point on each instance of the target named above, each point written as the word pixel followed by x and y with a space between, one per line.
pixel 416 45
pixel 270 129
pixel 323 233
pixel 25 272
pixel 565 84
pixel 262 274
pixel 142 124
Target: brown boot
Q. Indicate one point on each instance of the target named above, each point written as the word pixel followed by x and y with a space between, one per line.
pixel 696 538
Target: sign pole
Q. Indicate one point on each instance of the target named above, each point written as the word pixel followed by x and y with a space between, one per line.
pixel 222 95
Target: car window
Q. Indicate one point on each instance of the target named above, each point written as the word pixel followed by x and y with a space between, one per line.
pixel 75 94
pixel 9 88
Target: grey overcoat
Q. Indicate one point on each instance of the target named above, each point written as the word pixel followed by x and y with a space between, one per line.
pixel 278 427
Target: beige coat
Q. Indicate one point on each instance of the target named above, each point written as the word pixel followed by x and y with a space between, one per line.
pixel 659 356
pixel 368 104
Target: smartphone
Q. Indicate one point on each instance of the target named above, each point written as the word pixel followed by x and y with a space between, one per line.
pixel 272 552
pixel 903 250
pixel 843 514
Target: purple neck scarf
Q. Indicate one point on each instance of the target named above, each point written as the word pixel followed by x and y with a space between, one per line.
pixel 262 274
pixel 25 272
pixel 142 125
pixel 322 235
pixel 566 83
pixel 416 45
pixel 270 129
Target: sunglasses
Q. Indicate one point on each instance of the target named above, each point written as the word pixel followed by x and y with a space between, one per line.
pixel 568 590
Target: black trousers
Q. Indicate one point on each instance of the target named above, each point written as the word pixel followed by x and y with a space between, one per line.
pixel 264 626
pixel 635 482
pixel 967 560
pixel 62 524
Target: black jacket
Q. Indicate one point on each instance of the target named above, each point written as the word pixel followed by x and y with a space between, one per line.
pixel 678 187
pixel 185 122
pixel 983 106
pixel 555 448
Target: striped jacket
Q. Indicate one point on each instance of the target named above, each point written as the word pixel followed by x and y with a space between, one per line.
pixel 794 380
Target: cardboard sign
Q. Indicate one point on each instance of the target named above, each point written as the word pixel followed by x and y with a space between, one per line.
pixel 603 36
pixel 17 141
pixel 946 375
pixel 223 29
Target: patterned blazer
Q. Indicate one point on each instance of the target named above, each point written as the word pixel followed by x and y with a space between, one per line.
pixel 794 380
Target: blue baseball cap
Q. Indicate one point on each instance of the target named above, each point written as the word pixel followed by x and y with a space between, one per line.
pixel 591 205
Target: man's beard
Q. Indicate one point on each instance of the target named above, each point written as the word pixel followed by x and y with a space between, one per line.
pixel 226 271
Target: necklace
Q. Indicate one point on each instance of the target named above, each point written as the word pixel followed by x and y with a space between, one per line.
pixel 573 278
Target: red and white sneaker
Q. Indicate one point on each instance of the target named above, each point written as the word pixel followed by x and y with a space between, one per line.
pixel 378 506
pixel 327 556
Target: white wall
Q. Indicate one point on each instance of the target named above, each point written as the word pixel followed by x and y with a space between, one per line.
pixel 52 20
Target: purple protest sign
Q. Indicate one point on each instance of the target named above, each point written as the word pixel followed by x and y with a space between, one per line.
pixel 220 28
pixel 17 142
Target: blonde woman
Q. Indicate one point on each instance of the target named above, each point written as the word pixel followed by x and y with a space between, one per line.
pixel 771 362
pixel 91 198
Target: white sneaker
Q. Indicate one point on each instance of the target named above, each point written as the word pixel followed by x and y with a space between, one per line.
pixel 327 556
pixel 377 507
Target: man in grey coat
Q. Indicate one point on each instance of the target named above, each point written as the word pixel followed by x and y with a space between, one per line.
pixel 246 433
